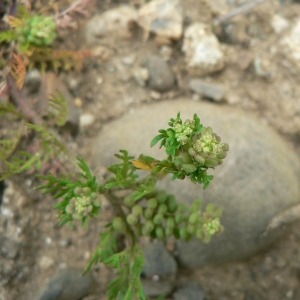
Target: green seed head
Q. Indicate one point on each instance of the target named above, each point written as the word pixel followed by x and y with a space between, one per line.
pixel 157 220
pixel 159 232
pixel 137 210
pixel 132 219
pixel 148 213
pixel 189 168
pixel 171 203
pixel 152 203
pixel 162 208
pixel 118 224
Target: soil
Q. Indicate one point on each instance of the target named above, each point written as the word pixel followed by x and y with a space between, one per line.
pixel 104 90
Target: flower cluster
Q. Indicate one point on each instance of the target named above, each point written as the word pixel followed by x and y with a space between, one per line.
pixel 83 203
pixel 38 31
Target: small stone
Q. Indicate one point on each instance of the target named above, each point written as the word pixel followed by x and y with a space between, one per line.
pixel 45 262
pixel 114 22
pixel 162 17
pixel 212 91
pixel 32 81
pixel 9 248
pixel 191 292
pixel 279 24
pixel 129 60
pixel 158 260
pixel 161 76
pixel 290 47
pixel 141 75
pixel 70 284
pixel 159 270
pixel 202 50
pixel 166 52
pixel 87 120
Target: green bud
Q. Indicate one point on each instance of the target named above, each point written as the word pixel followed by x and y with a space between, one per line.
pixel 137 210
pixel 118 224
pixel 177 161
pixel 70 209
pixel 194 218
pixel 189 168
pixel 152 203
pixel 78 190
pixel 171 203
pixel 191 228
pixel 192 151
pixel 161 196
pixel 200 159
pixel 170 223
pixel 225 147
pixel 86 191
pixel 159 231
pixel 211 162
pixel 97 202
pixel 181 208
pixel 179 218
pixel 199 234
pixel 196 206
pixel 132 219
pixel 148 213
pixel 148 228
pixel 209 130
pixel 222 155
pixel 169 231
pixel 76 216
pixel 162 208
pixel 185 157
pixel 158 219
pixel 88 210
pixel 183 232
pixel 128 201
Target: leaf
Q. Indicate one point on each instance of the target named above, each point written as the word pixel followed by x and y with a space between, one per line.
pixel 157 139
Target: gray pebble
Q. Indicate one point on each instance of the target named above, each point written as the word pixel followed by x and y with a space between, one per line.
pixel 159 271
pixel 212 91
pixel 191 292
pixel 70 284
pixel 158 260
pixel 161 76
pixel 9 248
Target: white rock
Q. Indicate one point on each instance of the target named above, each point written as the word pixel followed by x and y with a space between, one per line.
pixel 290 45
pixel 279 23
pixel 162 17
pixel 86 120
pixel 202 50
pixel 114 22
pixel 46 262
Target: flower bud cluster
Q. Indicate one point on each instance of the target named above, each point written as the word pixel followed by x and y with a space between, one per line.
pixel 183 131
pixel 162 217
pixel 207 148
pixel 38 31
pixel 84 202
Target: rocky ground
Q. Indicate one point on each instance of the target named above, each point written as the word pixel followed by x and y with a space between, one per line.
pixel 145 54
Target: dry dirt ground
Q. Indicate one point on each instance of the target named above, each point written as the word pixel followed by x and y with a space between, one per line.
pixel 104 91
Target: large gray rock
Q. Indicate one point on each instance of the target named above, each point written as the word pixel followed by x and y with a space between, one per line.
pixel 257 181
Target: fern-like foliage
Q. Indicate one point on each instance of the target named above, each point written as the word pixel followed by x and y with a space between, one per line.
pixel 19 70
pixel 45 58
pixel 8 36
pixel 60 109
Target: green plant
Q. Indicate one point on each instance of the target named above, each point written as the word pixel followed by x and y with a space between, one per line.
pixel 191 150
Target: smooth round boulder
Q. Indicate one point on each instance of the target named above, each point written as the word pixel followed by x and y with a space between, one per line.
pixel 258 180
